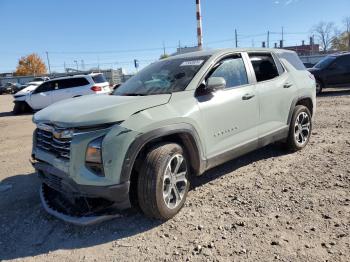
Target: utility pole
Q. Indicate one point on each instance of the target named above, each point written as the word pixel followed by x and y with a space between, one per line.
pixel 163 49
pixel 48 62
pixel 236 39
pixel 76 62
pixel 64 66
pixel 268 39
pixel 282 37
pixel 199 24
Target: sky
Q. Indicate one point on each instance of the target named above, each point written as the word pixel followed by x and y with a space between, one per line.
pixel 111 34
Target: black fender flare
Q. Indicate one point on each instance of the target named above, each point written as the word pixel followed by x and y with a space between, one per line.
pixel 294 103
pixel 143 139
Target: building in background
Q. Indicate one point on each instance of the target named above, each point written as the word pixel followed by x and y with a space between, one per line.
pixel 303 50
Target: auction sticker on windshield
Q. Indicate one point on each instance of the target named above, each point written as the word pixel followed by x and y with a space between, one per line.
pixel 192 63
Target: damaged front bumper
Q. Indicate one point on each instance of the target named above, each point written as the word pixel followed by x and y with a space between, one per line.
pixel 79 204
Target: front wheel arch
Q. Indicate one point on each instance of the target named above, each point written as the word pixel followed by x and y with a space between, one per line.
pixel 185 137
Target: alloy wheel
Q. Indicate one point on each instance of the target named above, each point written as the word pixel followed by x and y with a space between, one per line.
pixel 175 181
pixel 302 128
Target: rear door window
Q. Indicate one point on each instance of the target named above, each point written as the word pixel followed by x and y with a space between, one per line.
pixel 72 82
pixel 99 78
pixel 233 70
pixel 264 66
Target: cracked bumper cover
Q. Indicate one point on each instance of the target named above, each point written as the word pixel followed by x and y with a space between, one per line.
pixel 60 182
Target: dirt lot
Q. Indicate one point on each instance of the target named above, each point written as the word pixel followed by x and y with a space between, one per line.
pixel 266 206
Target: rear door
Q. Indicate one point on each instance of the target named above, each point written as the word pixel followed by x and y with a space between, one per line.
pixel 42 96
pixel 275 89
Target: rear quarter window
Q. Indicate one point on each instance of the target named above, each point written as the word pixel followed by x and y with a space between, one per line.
pixel 99 78
pixel 293 59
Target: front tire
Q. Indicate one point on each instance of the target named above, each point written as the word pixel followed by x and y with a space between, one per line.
pixel 163 181
pixel 299 128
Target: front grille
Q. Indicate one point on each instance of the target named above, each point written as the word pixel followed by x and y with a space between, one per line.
pixel 46 141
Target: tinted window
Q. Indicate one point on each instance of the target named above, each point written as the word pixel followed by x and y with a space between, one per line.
pixel 45 87
pixel 99 78
pixel 292 59
pixel 233 71
pixel 72 82
pixel 264 66
pixel 163 77
pixel 343 62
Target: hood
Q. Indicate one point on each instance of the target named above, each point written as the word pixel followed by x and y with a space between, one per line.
pixel 26 90
pixel 93 110
pixel 314 70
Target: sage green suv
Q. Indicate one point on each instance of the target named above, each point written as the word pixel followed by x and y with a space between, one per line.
pixel 175 119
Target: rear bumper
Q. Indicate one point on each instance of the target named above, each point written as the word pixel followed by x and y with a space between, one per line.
pixel 61 182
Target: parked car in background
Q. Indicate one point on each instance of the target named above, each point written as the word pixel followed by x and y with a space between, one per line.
pixel 5 89
pixel 59 89
pixel 177 117
pixel 11 88
pixel 308 65
pixel 28 88
pixel 332 71
pixel 41 79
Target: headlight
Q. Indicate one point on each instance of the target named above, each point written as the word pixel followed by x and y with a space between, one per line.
pixel 93 157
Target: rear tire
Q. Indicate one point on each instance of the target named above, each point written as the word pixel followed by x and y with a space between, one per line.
pixel 163 181
pixel 299 129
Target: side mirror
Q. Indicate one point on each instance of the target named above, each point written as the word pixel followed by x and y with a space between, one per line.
pixel 216 83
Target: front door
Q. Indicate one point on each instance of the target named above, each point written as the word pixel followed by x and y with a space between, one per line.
pixel 41 96
pixel 229 116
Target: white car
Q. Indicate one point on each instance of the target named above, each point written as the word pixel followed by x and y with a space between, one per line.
pixel 59 89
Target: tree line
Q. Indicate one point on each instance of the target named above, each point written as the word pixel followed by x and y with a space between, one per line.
pixel 332 38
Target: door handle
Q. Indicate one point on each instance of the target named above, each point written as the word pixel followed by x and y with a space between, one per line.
pixel 287 85
pixel 247 96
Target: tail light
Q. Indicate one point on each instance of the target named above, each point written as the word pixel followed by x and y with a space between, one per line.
pixel 96 88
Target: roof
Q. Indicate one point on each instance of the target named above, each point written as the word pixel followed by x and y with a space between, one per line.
pixel 211 52
pixel 340 54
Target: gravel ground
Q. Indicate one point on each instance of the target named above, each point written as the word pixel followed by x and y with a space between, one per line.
pixel 267 206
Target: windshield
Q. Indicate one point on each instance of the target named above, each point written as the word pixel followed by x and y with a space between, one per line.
pixel 325 62
pixel 163 77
